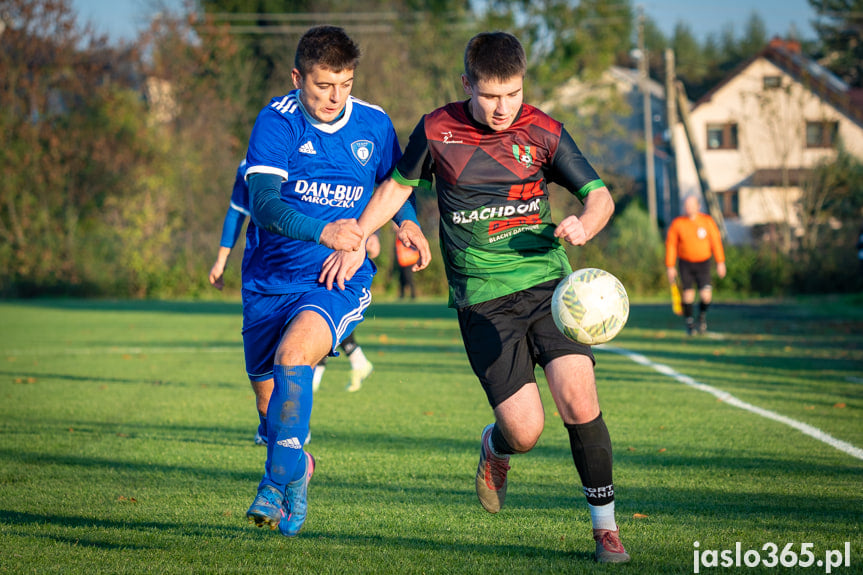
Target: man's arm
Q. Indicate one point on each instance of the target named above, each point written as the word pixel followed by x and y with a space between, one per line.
pixel 408 212
pixel 217 272
pixel 270 213
pixel 388 199
pixel 671 240
pixel 231 228
pixel 598 209
pixel 570 169
pixel 717 249
pixel 341 266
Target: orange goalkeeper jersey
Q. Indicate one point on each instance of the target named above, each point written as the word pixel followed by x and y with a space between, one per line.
pixel 693 240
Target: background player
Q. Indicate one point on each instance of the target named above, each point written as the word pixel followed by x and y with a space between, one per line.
pixel 691 240
pixel 492 157
pixel 314 157
pixel 406 258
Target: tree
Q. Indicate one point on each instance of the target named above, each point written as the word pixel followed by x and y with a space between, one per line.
pixel 111 157
pixel 70 129
pixel 689 62
pixel 833 193
pixel 754 38
pixel 563 39
pixel 198 121
pixel 839 26
pixel 655 43
pixel 701 65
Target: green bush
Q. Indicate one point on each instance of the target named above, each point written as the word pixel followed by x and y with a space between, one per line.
pixel 755 271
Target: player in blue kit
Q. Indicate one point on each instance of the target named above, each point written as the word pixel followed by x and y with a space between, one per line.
pixel 313 160
pixel 235 217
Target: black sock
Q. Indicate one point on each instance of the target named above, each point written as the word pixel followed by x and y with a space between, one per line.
pixel 349 344
pixel 591 453
pixel 499 443
pixel 687 312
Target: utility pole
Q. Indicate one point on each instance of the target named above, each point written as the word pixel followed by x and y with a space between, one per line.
pixel 644 73
pixel 671 120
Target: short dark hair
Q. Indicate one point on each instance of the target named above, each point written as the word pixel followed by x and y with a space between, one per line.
pixel 494 56
pixel 327 46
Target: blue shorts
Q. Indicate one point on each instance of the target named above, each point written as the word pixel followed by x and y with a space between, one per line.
pixel 265 317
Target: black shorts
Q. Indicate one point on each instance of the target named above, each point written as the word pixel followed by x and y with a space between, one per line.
pixel 695 273
pixel 507 337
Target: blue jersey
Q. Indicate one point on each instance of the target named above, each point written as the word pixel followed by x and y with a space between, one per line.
pixel 238 210
pixel 328 171
pixel 240 193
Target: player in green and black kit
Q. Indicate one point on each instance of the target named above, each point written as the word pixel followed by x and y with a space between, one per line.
pixel 491 158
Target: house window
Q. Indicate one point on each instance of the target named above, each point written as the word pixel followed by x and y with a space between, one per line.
pixel 772 82
pixel 730 202
pixel 821 134
pixel 721 136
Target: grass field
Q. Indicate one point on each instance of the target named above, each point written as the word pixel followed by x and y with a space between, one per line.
pixel 126 447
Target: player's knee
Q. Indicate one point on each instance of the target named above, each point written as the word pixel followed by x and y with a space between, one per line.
pixel 525 439
pixel 294 355
pixel 524 446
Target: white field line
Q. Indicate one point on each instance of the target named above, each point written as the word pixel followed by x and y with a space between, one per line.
pixel 726 397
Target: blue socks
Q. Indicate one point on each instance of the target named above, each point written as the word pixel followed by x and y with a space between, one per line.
pixel 288 415
pixel 262 426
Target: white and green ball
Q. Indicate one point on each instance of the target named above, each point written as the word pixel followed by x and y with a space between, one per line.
pixel 590 306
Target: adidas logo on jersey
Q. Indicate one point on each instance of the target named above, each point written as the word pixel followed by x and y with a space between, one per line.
pixel 291 443
pixel 307 148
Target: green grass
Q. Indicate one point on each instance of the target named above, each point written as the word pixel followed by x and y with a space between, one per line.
pixel 126 446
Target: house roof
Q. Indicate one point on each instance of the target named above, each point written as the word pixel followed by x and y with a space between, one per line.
pixel 771 177
pixel 787 57
pixel 632 77
pixel 626 80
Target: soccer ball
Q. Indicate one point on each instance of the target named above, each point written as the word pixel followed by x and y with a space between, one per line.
pixel 590 306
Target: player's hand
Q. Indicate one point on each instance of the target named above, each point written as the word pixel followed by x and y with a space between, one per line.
pixel 672 274
pixel 410 234
pixel 572 230
pixel 720 270
pixel 340 266
pixel 373 246
pixel 342 235
pixel 217 277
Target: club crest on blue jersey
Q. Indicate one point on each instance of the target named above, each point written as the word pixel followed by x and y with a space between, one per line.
pixel 362 150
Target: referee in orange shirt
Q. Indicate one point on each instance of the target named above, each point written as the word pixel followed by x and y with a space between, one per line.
pixel 692 239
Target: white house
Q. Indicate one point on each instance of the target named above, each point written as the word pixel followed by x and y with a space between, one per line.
pixel 761 130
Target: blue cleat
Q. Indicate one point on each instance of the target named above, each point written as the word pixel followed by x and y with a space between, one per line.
pixel 297 501
pixel 267 508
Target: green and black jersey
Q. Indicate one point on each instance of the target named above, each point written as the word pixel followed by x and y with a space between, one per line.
pixel 496 232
